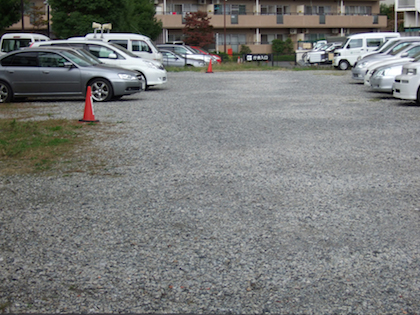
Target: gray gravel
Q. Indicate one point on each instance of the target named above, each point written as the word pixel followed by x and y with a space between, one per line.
pixel 245 192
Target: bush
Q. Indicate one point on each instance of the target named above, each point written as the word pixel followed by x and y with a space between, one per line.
pixel 245 50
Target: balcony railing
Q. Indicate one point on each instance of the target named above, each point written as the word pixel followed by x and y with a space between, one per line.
pixel 406 4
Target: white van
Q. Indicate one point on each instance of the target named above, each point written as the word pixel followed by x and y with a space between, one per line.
pixel 14 41
pixel 357 45
pixel 139 45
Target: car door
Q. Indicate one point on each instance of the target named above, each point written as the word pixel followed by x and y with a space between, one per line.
pixel 56 76
pixel 22 72
pixel 355 46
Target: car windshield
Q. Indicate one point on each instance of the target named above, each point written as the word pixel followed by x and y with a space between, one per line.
pixel 399 50
pixel 126 51
pixel 77 59
pixel 386 45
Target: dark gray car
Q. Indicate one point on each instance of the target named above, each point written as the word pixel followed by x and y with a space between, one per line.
pixel 62 71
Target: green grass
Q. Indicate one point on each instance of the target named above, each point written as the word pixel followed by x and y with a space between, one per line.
pixel 247 66
pixel 33 146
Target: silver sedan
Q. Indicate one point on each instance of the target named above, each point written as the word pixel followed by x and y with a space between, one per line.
pixel 171 59
pixel 62 71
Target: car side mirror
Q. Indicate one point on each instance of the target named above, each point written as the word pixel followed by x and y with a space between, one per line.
pixel 112 56
pixel 404 55
pixel 68 64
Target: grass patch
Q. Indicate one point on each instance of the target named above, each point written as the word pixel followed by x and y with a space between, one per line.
pixel 249 66
pixel 38 146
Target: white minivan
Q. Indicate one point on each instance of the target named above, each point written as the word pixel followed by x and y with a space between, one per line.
pixel 139 45
pixel 357 45
pixel 14 41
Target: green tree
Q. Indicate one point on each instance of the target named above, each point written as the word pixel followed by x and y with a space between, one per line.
pixel 74 18
pixel 245 50
pixel 139 17
pixel 278 46
pixel 9 13
pixel 282 47
pixel 197 30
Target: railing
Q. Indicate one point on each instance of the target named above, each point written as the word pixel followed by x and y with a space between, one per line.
pixel 294 13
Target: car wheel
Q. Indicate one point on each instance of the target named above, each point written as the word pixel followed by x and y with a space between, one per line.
pixel 101 90
pixel 143 77
pixel 344 65
pixel 418 96
pixel 6 93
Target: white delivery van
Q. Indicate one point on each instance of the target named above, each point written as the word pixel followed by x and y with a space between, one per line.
pixel 139 45
pixel 357 45
pixel 14 41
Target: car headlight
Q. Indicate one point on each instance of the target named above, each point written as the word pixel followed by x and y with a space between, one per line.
pixel 410 71
pixel 151 64
pixel 126 76
pixel 362 64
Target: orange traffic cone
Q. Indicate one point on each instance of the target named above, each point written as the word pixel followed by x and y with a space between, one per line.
pixel 89 116
pixel 209 69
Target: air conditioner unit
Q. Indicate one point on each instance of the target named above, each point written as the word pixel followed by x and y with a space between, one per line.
pixel 335 31
pixel 215 1
pixel 293 31
pixel 201 1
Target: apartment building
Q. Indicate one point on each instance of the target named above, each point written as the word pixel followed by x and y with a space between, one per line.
pixel 411 9
pixel 256 23
pixel 35 11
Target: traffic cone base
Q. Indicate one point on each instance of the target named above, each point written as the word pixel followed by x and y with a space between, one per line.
pixel 88 116
pixel 210 69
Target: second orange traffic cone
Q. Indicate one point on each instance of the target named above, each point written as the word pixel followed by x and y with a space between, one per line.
pixel 210 69
pixel 88 116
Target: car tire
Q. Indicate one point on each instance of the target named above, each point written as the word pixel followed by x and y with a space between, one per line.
pixel 145 81
pixel 6 93
pixel 418 96
pixel 101 90
pixel 343 65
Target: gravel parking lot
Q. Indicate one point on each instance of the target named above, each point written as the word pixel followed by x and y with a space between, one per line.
pixel 240 192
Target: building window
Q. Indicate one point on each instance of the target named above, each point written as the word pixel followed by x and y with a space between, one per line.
pixel 317 10
pixel 358 10
pixel 238 9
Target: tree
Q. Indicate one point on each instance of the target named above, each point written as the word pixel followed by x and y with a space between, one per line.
pixel 198 30
pixel 140 18
pixel 74 18
pixel 282 47
pixel 9 12
pixel 37 16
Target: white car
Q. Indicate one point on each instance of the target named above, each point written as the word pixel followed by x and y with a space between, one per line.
pixel 153 72
pixel 372 68
pixel 406 85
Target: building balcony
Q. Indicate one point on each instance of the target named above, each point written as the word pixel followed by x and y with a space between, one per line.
pixel 175 21
pixel 407 5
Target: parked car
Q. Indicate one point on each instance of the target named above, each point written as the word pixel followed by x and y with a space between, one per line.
pixel 15 41
pixel 185 51
pixel 406 50
pixel 389 45
pixel 153 72
pixel 321 54
pixel 59 71
pixel 171 59
pixel 357 45
pixel 139 45
pixel 383 77
pixel 388 62
pixel 216 58
pixel 407 85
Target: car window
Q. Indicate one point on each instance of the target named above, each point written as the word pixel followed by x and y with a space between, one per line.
pixel 356 43
pixel 398 48
pixel 180 50
pixel 49 59
pixel 121 42
pixel 100 51
pixel 373 42
pixel 413 51
pixel 14 44
pixel 24 59
pixel 139 45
